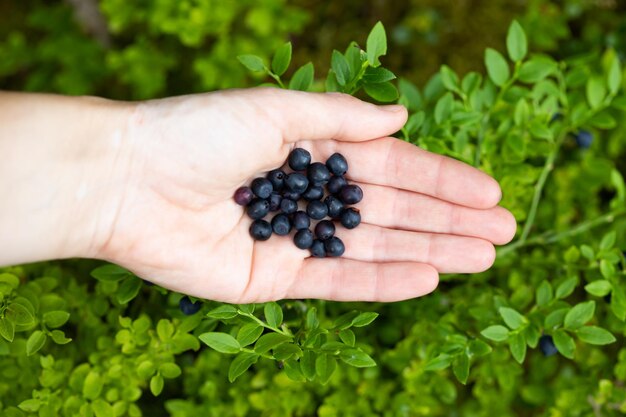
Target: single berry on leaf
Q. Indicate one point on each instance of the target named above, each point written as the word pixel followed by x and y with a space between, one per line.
pixel 351 194
pixel 584 139
pixel 297 182
pixel 303 239
pixel 325 229
pixel 316 210
pixel 301 220
pixel 258 208
pixel 314 192
pixel 299 159
pixel 317 249
pixel 546 344
pixel 334 205
pixel 337 164
pixel 334 247
pixel 277 178
pixel 288 206
pixel 243 196
pixel 281 225
pixel 262 187
pixel 275 199
pixel 318 173
pixel 335 184
pixel 350 218
pixel 260 230
pixel 188 307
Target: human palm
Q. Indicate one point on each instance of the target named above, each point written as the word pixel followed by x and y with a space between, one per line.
pixel 176 223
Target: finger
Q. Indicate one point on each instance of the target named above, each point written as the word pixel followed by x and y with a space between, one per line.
pixel 343 279
pixel 396 163
pixel 399 209
pixel 304 116
pixel 447 253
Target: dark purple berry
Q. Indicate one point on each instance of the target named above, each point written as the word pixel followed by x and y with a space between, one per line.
pixel 303 239
pixel 325 230
pixel 316 210
pixel 318 173
pixel 281 224
pixel 258 208
pixel 291 195
pixel 546 344
pixel 262 187
pixel 288 206
pixel 243 196
pixel 277 178
pixel 275 199
pixel 335 184
pixel 297 182
pixel 584 138
pixel 317 249
pixel 350 218
pixel 334 205
pixel 301 220
pixel 337 164
pixel 188 307
pixel 334 247
pixel 299 159
pixel 314 192
pixel 351 194
pixel 260 230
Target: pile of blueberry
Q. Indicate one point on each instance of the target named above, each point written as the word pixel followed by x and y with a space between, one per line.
pixel 321 190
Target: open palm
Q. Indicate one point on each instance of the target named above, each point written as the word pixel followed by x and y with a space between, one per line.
pixel 174 222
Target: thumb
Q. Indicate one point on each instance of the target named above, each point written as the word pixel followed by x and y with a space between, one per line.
pixel 308 116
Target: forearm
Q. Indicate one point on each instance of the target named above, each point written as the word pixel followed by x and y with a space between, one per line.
pixel 54 174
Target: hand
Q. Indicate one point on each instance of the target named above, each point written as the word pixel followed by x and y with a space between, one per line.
pixel 176 223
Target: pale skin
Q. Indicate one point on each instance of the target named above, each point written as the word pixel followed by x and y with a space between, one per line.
pixel 149 186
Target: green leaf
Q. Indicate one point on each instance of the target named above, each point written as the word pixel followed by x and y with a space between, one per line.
pixel 521 112
pixel 555 318
pixel 460 367
pixel 596 91
pixel 536 69
pixel 165 330
pixel 544 294
pixel 579 315
pixel 146 369
pixel 516 43
pixel 614 78
pixel 415 121
pixel 247 308
pixel 587 252
pixel 31 405
pixel 442 361
pixel 156 384
pixel 383 92
pixel 270 341
pixel 595 335
pixel 340 66
pixel 443 108
pixel 92 387
pixel 618 303
pixel 325 366
pixel 248 334
pixel 347 337
pixel 54 319
pixel 252 62
pixel 599 288
pixel 35 342
pixel 363 319
pixel 223 312
pixel 222 342
pixel 376 45
pixel 608 240
pixel 377 75
pixel 564 343
pixel 603 120
pixel 356 358
pixel 128 290
pixel 496 333
pixel 478 348
pixel 10 279
pixel 410 95
pixel 541 131
pixel 169 370
pixel 102 408
pixel 607 269
pixel 273 314
pixel 7 329
pixel 110 273
pixel 292 370
pixel 449 78
pixel 302 78
pixel 286 351
pixel 567 287
pixel 497 67
pixel 282 59
pixel 307 364
pixel 59 338
pixel 511 317
pixel 19 314
pixel 517 345
pixel 312 321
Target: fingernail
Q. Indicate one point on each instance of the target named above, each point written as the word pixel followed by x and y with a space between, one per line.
pixel 393 108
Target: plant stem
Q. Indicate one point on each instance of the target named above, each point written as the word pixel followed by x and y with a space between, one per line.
pixel 351 87
pixel 277 78
pixel 262 323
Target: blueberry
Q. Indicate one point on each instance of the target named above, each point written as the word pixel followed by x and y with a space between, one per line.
pixel 188 307
pixel 281 224
pixel 243 196
pixel 351 194
pixel 335 206
pixel 275 199
pixel 288 206
pixel 301 220
pixel 316 210
pixel 277 178
pixel 260 230
pixel 317 249
pixel 303 238
pixel 584 138
pixel 262 187
pixel 314 192
pixel 297 182
pixel 334 246
pixel 337 164
pixel 258 208
pixel 325 230
pixel 546 344
pixel 299 159
pixel 350 218
pixel 291 195
pixel 335 184
pixel 318 173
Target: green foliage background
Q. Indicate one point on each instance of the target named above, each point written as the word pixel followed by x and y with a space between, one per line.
pixel 468 349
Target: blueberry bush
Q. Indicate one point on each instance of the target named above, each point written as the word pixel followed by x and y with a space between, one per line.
pixel 541 333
